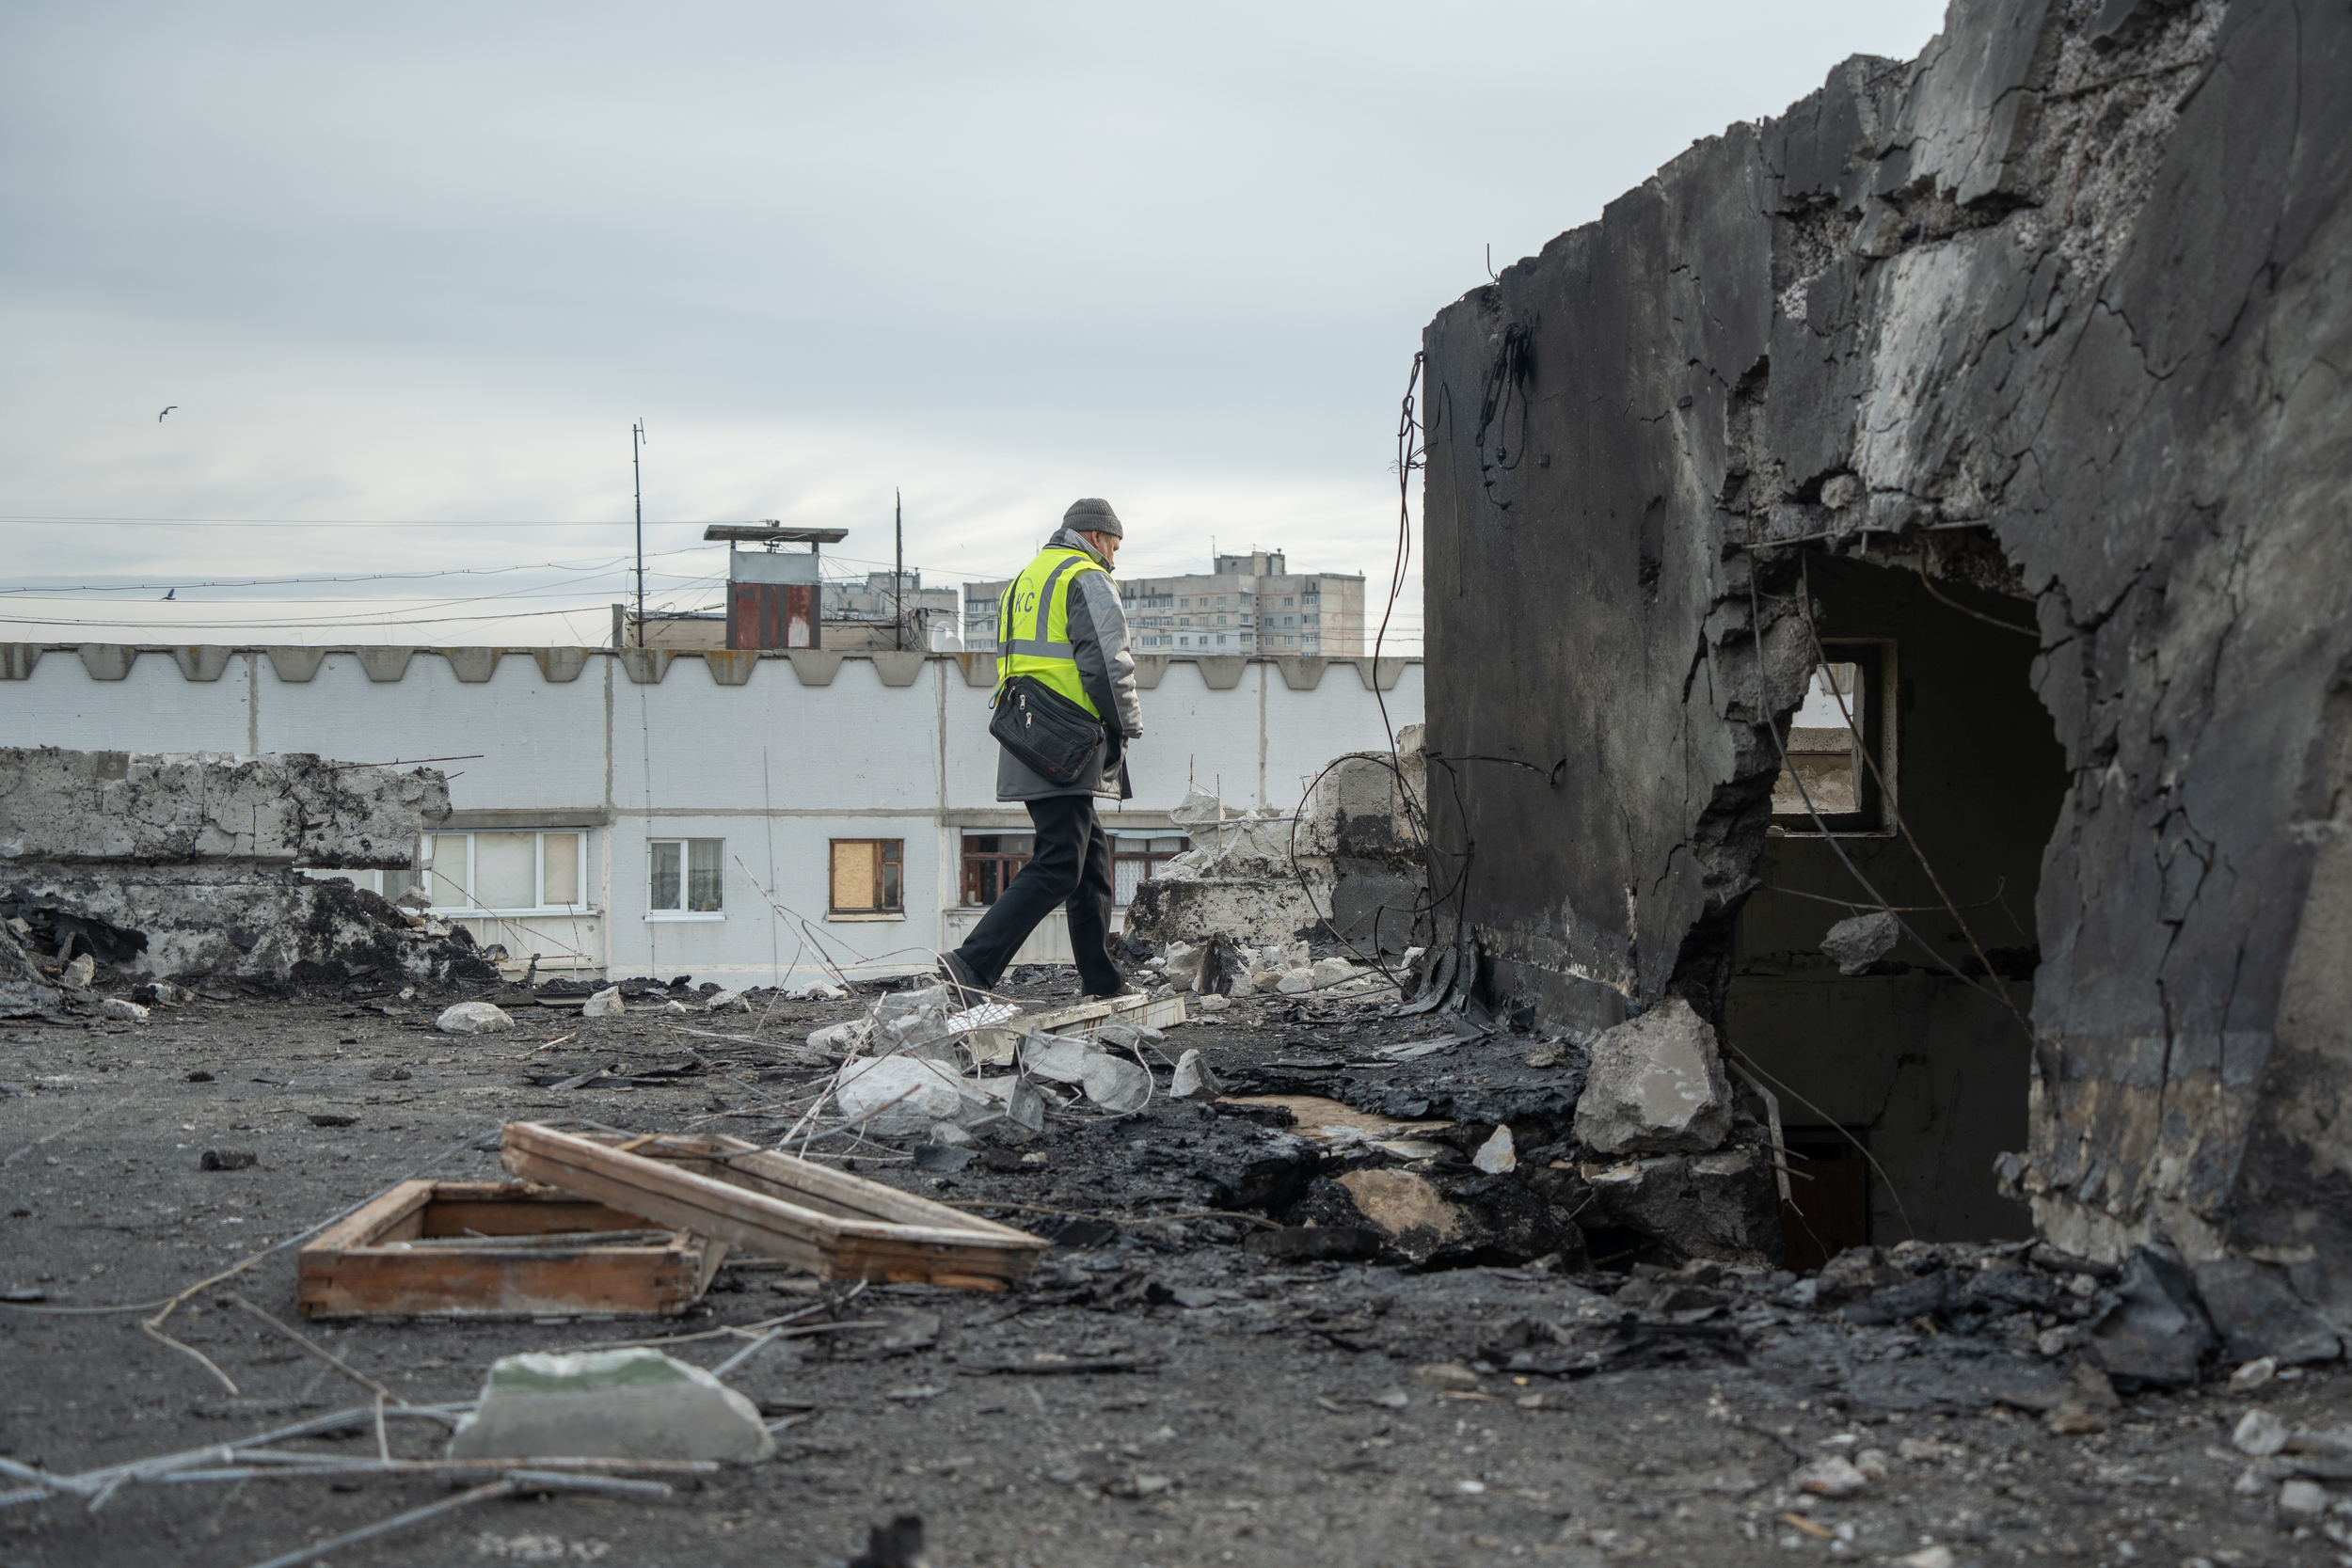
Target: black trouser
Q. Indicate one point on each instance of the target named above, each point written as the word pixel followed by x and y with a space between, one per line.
pixel 1072 867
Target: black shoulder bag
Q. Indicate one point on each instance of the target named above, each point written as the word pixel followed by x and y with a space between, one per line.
pixel 1050 734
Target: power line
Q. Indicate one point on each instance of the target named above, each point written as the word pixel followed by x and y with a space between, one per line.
pixel 357 577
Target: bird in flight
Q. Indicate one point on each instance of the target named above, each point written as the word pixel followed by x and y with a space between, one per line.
pixel 169 592
pixel 159 418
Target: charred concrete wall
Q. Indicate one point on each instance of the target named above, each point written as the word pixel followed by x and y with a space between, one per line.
pixel 2073 280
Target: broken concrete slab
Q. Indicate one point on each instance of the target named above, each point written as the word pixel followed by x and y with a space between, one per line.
pixel 899 1097
pixel 1857 943
pixel 2260 1317
pixel 23 992
pixel 225 921
pixel 1193 1079
pixel 1656 1086
pixel 609 1404
pixel 2154 1332
pixel 1724 1205
pixel 69 808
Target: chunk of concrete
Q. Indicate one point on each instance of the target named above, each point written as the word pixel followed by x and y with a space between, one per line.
pixel 1723 1206
pixel 1115 1083
pixel 1656 1086
pixel 899 1097
pixel 1193 1080
pixel 609 1404
pixel 1496 1154
pixel 68 807
pixel 23 989
pixel 473 1018
pixel 2260 1316
pixel 2155 1333
pixel 1056 1057
pixel 604 1003
pixel 846 1039
pixel 1862 940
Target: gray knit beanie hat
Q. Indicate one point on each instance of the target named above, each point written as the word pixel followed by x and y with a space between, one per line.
pixel 1094 514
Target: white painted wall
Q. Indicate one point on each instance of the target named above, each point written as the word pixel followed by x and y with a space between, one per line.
pixel 775 768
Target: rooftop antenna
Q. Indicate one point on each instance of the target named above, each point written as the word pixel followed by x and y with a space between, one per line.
pixel 637 471
pixel 899 575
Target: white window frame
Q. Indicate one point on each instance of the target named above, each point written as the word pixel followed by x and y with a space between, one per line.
pixel 682 915
pixel 539 836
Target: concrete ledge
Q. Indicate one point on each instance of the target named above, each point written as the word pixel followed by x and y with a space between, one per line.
pixel 200 663
pixel 646 666
pixel 385 664
pixel 296 666
pixel 1223 673
pixel 730 666
pixel 108 662
pixel 816 666
pixel 473 665
pixel 1302 673
pixel 561 666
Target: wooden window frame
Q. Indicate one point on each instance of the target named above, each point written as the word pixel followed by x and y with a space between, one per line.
pixel 969 861
pixel 1873 710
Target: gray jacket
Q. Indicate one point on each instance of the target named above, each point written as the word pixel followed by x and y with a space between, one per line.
pixel 1098 640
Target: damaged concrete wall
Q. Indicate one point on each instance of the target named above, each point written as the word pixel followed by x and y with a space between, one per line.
pixel 2074 277
pixel 286 809
pixel 1345 864
pixel 187 865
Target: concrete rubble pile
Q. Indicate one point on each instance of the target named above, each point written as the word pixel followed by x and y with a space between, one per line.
pixel 918 1067
pixel 189 866
pixel 1347 864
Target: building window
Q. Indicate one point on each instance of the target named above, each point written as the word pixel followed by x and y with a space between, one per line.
pixel 1844 727
pixel 1134 861
pixel 514 873
pixel 1286 598
pixel 991 862
pixel 867 876
pixel 684 879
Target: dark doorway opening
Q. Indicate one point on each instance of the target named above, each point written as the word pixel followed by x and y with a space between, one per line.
pixel 1921 724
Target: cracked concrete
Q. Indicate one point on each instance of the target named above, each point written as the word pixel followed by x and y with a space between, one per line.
pixel 2070 282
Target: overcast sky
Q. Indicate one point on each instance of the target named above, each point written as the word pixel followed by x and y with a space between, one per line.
pixel 424 265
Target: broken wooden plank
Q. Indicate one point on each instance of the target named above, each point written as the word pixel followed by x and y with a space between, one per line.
pixel 833 1225
pixel 1155 1012
pixel 1002 1043
pixel 431 1249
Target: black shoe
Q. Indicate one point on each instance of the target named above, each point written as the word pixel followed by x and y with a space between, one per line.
pixel 960 982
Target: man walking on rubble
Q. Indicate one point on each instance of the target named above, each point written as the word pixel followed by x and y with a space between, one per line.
pixel 1062 667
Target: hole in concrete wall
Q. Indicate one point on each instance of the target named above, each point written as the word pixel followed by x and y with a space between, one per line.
pixel 1928 1069
pixel 1829 1205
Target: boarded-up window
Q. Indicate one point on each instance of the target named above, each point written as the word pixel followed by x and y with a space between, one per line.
pixel 867 876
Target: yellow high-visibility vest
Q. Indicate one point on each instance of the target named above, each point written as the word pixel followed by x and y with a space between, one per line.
pixel 1033 625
